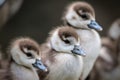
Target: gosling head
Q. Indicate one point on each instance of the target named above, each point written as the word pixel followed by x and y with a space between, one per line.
pixel 81 15
pixel 66 40
pixel 25 52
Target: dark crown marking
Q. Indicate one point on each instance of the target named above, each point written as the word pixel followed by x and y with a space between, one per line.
pixel 84 7
pixel 29 45
pixel 67 32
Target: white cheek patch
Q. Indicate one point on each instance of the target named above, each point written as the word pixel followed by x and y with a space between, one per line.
pixel 60 46
pixel 53 40
pixel 32 61
pixel 73 21
pixel 25 50
pixel 70 15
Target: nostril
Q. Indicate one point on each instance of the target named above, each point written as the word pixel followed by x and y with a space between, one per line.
pixel 39 63
pixel 93 23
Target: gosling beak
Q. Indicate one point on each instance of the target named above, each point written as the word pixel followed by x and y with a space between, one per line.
pixel 94 25
pixel 39 65
pixel 78 50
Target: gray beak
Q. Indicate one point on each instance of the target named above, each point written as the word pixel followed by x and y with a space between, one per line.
pixel 39 65
pixel 94 25
pixel 78 50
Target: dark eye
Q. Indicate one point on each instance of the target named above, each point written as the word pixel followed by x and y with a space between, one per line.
pixel 67 41
pixel 29 47
pixel 84 16
pixel 29 55
pixel 83 13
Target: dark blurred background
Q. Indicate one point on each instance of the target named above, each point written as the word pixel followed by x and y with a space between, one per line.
pixel 37 17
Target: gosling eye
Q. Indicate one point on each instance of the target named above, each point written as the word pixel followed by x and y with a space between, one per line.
pixel 84 16
pixel 29 55
pixel 67 41
pixel 82 13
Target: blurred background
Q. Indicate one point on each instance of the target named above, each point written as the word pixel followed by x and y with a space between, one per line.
pixel 36 18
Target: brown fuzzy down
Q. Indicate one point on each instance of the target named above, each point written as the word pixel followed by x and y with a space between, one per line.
pixel 4 62
pixel 5 75
pixel 67 32
pixel 25 42
pixel 108 43
pixel 79 5
pixel 47 53
pixel 112 47
pixel 64 31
